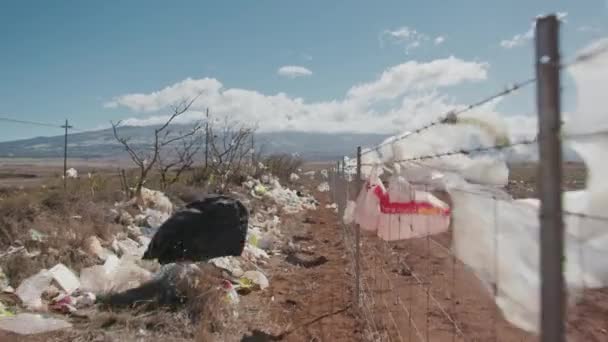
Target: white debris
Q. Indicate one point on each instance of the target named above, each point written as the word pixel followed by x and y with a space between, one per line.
pixel 294 177
pixel 71 173
pixel 128 247
pixel 65 278
pixel 349 212
pixel 115 275
pixel 155 218
pixel 257 278
pixel 31 289
pixel 93 247
pixel 156 200
pixel 325 174
pixel 229 264
pixel 323 187
pixel 253 253
pixel 125 218
pixel 310 174
pixel 30 324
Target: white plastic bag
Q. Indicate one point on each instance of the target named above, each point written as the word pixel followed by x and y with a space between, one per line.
pixel 30 324
pixel 368 205
pixel 31 289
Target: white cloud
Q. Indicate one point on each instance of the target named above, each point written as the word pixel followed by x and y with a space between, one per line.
pixel 521 39
pixel 293 71
pixel 403 96
pixel 408 37
pixel 414 76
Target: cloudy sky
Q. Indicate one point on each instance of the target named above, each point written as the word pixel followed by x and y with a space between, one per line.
pixel 343 65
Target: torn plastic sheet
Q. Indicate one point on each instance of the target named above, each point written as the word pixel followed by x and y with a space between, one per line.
pixel 30 324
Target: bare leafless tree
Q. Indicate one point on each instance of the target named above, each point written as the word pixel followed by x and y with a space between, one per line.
pixel 230 149
pixel 182 157
pixel 145 159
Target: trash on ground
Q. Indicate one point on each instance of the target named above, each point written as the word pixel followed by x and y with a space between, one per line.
pixel 323 187
pixel 156 200
pixel 115 275
pixel 155 218
pixel 256 278
pixel 31 324
pixel 129 247
pixel 31 289
pixel 94 248
pixel 296 260
pixel 213 227
pixel 36 235
pixel 71 173
pixel 294 177
pixel 230 264
pixel 65 278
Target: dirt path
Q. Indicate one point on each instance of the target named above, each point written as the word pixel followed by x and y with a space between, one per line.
pixel 301 295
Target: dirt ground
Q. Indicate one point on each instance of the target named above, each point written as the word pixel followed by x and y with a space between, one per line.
pixel 317 303
pixel 303 303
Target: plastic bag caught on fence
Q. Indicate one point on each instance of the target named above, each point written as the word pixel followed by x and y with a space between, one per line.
pixel 401 212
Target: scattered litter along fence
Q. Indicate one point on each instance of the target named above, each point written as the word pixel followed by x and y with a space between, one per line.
pixel 419 289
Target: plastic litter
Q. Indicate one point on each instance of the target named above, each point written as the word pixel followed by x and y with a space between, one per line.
pixel 514 268
pixel 36 235
pixel 31 289
pixel 230 264
pixel 65 278
pixel 156 200
pixel 256 278
pixel 71 173
pixel 30 324
pixel 114 275
pixel 129 247
pixel 323 187
pixel 349 212
pixel 213 227
pixel 155 218
pixel 93 247
pixel 294 177
pixel 125 218
pixel 260 190
pixel 401 212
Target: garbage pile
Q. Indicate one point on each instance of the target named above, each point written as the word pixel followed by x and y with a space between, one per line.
pixel 290 201
pixel 124 271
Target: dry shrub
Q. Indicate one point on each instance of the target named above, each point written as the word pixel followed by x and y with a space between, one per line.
pixel 283 165
pixel 64 220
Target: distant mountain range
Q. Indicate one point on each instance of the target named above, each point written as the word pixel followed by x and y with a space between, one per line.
pixel 101 144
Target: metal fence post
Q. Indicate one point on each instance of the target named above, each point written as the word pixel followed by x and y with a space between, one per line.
pixel 358 184
pixel 549 180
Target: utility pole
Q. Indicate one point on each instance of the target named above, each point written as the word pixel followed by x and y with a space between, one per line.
pixel 65 155
pixel 207 139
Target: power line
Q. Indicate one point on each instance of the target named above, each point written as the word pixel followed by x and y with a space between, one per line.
pixel 28 122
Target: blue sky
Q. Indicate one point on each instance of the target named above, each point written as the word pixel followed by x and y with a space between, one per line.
pixel 77 59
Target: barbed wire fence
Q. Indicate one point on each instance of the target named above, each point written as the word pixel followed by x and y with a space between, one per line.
pixel 409 282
